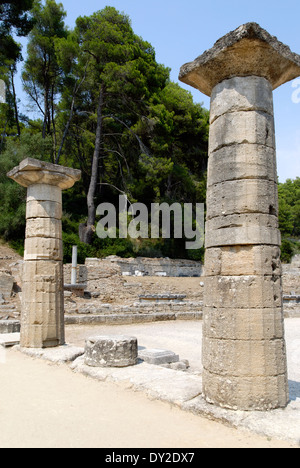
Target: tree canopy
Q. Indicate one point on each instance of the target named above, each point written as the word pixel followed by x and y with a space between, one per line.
pixel 15 18
pixel 107 107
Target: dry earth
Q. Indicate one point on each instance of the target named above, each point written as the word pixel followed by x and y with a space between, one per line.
pixel 46 405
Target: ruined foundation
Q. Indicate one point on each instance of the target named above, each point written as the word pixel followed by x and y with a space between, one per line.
pixel 244 355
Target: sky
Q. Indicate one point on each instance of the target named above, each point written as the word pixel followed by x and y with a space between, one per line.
pixel 182 30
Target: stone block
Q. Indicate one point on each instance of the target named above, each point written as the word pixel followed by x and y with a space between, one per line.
pixel 242 161
pixel 242 196
pixel 260 393
pixel 243 292
pixel 39 336
pixel 243 324
pixel 34 172
pixel 158 356
pixel 42 270
pixel 252 93
pixel 39 248
pixel 6 284
pixel 248 51
pixel 44 227
pixel 43 192
pixel 111 351
pixel 243 260
pixel 242 127
pixel 43 209
pixel 41 307
pixel 242 229
pixel 9 326
pixel 34 288
pixel 244 358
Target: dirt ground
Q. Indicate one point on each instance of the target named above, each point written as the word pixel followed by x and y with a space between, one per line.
pixel 7 256
pixel 48 406
pixel 44 405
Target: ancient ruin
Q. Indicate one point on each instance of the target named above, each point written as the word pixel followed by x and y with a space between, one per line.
pixel 111 351
pixel 42 318
pixel 244 354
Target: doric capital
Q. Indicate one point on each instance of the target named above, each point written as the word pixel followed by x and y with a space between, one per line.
pixel 32 172
pixel 247 51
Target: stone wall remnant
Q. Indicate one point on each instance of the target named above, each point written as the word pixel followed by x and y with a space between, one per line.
pixel 244 355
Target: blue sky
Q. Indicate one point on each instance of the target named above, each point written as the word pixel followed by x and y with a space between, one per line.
pixel 181 30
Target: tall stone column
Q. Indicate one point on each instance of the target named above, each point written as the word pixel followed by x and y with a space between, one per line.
pixel 42 319
pixel 244 355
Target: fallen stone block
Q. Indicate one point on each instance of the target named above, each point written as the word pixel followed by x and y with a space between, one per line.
pixel 158 356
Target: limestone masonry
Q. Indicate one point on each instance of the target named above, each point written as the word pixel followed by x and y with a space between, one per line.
pixel 42 319
pixel 244 355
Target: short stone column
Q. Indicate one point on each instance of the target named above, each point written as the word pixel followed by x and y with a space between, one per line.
pixel 244 355
pixel 111 351
pixel 42 318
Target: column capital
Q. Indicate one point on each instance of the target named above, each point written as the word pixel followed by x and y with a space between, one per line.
pixel 247 51
pixel 33 171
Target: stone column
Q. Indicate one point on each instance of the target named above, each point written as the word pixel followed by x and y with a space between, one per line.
pixel 244 355
pixel 42 319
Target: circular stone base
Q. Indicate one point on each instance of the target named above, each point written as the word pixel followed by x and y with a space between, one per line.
pixel 111 351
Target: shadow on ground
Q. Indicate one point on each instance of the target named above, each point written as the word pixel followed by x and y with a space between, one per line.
pixel 294 390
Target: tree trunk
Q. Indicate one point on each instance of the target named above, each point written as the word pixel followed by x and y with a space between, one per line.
pixel 65 134
pixel 45 113
pixel 15 102
pixel 66 131
pixel 86 231
pixel 53 124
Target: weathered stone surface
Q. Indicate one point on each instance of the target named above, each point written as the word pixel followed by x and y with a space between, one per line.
pixel 32 172
pixel 42 270
pixel 111 351
pixel 243 292
pixel 242 161
pixel 242 196
pixel 9 326
pixel 244 358
pixel 238 94
pixel 43 313
pixel 158 356
pixel 57 355
pixel 44 227
pixel 43 248
pixel 39 336
pixel 247 393
pixel 42 290
pixel 242 229
pixel 6 284
pixel 243 260
pixel 244 354
pixel 243 324
pixel 44 192
pixel 247 51
pixel 43 209
pixel 242 127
